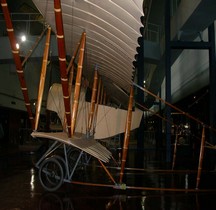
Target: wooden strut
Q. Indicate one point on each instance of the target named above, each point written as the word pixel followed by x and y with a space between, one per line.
pixel 42 78
pixel 175 149
pixel 93 100
pixel 78 83
pixel 70 68
pixel 101 95
pixel 160 189
pixel 174 107
pixel 74 56
pixel 97 102
pixel 108 173
pixel 70 83
pixel 104 98
pixel 127 133
pixel 202 146
pixel 62 62
pixel 33 47
pixel 18 63
pixel 156 114
pixel 70 71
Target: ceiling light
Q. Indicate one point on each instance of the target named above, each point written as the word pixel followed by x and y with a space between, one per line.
pixel 17 45
pixel 23 38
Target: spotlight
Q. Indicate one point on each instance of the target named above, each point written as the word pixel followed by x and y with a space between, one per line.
pixel 23 38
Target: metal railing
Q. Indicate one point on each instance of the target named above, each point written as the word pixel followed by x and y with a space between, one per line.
pixel 154 32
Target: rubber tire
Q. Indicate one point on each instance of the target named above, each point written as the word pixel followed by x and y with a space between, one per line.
pixel 51 174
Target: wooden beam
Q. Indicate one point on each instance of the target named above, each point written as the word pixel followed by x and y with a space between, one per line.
pixel 42 78
pixel 202 147
pixel 78 83
pixel 101 95
pixel 18 63
pixel 33 47
pixel 97 102
pixel 127 133
pixel 93 100
pixel 62 62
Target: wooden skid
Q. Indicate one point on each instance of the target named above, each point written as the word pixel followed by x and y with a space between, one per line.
pixel 89 146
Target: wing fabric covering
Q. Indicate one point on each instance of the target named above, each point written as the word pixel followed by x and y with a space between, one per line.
pixel 110 121
pixel 89 146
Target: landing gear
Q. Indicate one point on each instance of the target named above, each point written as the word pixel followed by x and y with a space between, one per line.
pixel 51 174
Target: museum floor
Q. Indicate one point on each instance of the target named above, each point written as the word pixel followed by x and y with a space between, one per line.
pixel 20 188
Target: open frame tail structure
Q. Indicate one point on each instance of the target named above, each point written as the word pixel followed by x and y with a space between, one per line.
pixel 202 144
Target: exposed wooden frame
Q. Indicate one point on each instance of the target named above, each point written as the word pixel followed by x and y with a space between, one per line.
pixel 97 101
pixel 42 79
pixel 62 62
pixel 175 148
pixel 33 47
pixel 18 63
pixel 93 100
pixel 78 83
pixel 101 94
pixel 127 133
pixel 202 148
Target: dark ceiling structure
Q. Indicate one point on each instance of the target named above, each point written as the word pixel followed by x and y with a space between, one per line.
pixel 120 32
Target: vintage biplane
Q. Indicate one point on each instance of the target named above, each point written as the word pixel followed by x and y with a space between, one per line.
pixel 109 58
pixel 83 123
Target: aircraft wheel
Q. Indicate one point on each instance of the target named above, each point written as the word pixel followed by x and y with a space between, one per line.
pixel 63 164
pixel 51 174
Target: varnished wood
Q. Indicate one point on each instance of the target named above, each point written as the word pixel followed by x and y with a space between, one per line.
pixel 70 82
pixel 97 102
pixel 202 146
pixel 62 62
pixel 175 108
pixel 18 63
pixel 101 95
pixel 175 149
pixel 74 56
pixel 33 47
pixel 108 173
pixel 78 83
pixel 42 78
pixel 127 133
pixel 93 100
pixel 70 68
